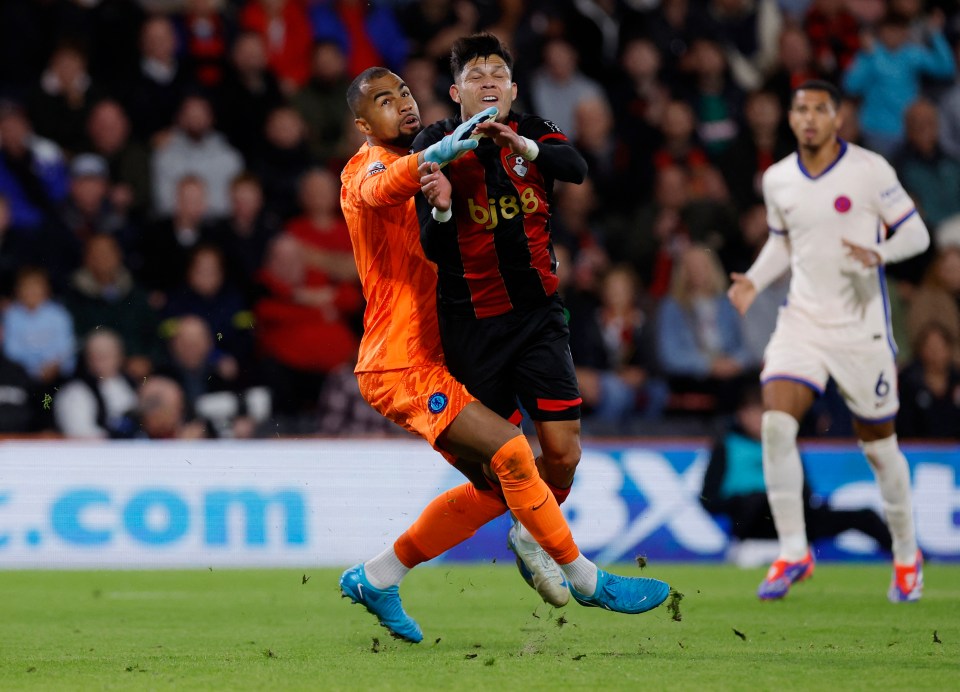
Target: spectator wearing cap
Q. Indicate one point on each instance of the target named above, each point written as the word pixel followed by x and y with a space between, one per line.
pixel 33 172
pixel 195 148
pixel 86 211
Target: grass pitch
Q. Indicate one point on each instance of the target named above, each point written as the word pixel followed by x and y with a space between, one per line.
pixel 483 627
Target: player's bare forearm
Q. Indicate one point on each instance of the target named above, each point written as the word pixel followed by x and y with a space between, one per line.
pixel 864 255
pixel 741 293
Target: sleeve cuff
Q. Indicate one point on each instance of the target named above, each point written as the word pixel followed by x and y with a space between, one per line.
pixel 441 216
pixel 531 149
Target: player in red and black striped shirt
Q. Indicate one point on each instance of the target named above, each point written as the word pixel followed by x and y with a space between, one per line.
pixel 485 222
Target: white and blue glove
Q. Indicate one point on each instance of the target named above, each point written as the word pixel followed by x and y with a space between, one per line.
pixel 459 141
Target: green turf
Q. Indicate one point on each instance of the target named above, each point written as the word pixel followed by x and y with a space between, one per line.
pixel 484 629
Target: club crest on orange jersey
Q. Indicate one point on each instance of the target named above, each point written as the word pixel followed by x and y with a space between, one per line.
pixel 437 402
pixel 374 168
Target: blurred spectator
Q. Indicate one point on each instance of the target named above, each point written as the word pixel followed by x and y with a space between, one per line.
pixel 345 413
pixel 108 133
pixel 758 146
pixel 938 298
pixel 608 159
pixel 103 294
pixel 673 28
pixel 33 173
pixel 155 91
pixel 60 103
pixel 321 103
pixel 886 75
pixel 283 159
pixel 613 349
pixel 208 377
pixel 20 401
pixel 285 28
pixel 734 486
pixel 849 130
pixel 930 387
pixel 367 33
pixel 715 98
pixel 206 294
pixel 87 211
pixel 425 81
pixel 652 240
pixel 699 340
pixel 748 31
pixel 578 221
pixel 244 234
pixel 16 251
pixel 301 333
pixel 949 104
pixel 25 43
pixel 834 35
pixel 431 27
pixel 162 413
pixel 678 139
pixel 195 148
pixel 758 324
pixel 558 87
pixel 38 333
pixel 639 99
pixel 205 35
pixel 322 231
pixel 930 176
pixel 248 93
pixel 166 245
pixel 794 66
pixel 94 404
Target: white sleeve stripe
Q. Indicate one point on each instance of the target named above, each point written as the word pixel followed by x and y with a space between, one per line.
pixel 896 224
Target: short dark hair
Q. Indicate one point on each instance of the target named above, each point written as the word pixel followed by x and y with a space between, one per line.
pixel 354 91
pixel 819 85
pixel 481 45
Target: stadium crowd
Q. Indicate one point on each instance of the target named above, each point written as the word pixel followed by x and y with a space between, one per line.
pixel 174 262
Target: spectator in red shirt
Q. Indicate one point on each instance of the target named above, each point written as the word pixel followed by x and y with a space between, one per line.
pixel 834 35
pixel 285 27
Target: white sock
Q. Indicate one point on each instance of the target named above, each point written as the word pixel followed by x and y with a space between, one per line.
pixel 385 569
pixel 893 476
pixel 783 474
pixel 582 575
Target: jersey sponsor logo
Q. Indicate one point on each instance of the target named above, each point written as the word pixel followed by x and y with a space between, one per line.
pixel 437 402
pixel 552 126
pixel 842 204
pixel 519 165
pixel 374 168
pixel 506 207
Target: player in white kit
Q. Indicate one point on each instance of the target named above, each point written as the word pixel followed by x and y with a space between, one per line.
pixel 837 215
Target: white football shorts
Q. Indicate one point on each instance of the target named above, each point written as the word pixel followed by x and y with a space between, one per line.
pixel 861 362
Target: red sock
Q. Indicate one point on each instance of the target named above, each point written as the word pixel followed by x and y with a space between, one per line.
pixel 448 520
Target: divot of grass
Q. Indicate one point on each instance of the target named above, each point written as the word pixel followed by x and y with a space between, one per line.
pixel 673 605
pixel 740 634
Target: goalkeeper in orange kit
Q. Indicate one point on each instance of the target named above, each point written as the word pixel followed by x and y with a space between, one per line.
pixel 401 372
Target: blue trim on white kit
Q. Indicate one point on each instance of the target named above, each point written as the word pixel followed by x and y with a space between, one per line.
pixel 776 231
pixel 882 277
pixel 843 150
pixel 794 378
pixel 897 224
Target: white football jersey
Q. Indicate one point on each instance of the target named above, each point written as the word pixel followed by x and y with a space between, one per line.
pixel 857 198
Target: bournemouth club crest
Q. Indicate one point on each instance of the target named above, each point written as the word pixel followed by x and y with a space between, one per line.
pixel 519 165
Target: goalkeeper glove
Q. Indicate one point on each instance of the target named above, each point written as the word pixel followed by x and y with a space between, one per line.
pixel 459 141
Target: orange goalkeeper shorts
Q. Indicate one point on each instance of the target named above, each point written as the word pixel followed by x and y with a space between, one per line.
pixel 423 399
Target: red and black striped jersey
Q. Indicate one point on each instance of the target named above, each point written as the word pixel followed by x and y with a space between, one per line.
pixel 495 254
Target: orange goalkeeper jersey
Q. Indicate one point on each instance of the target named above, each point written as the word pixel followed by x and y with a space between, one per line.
pixel 399 283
